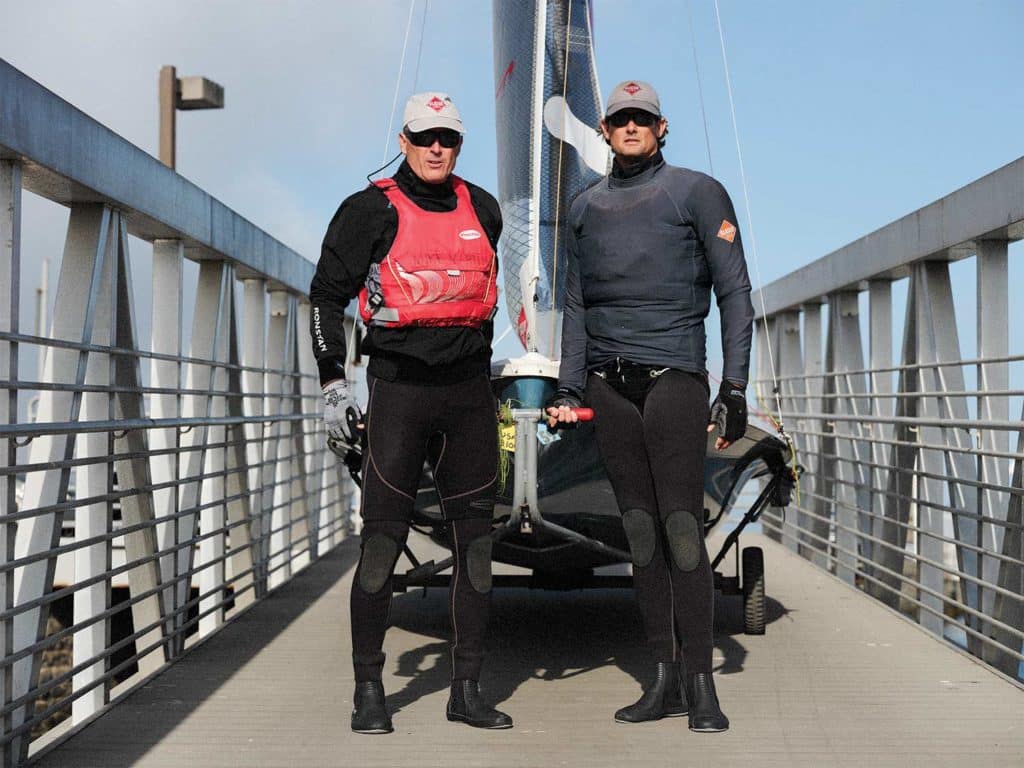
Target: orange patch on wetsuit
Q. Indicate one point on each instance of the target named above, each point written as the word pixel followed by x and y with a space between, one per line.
pixel 727 231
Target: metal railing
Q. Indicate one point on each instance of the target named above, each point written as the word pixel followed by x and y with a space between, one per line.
pixel 154 494
pixel 911 489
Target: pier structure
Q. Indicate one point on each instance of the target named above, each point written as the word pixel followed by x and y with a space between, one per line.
pixel 171 525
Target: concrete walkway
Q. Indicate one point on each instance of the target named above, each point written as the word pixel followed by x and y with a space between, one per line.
pixel 838 680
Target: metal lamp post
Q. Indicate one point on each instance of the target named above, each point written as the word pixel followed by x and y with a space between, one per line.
pixel 182 93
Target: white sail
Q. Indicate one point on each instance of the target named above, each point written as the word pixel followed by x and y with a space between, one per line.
pixel 547 105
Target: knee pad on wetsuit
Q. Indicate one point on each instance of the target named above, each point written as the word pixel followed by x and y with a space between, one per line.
pixel 684 539
pixel 478 563
pixel 380 550
pixel 641 535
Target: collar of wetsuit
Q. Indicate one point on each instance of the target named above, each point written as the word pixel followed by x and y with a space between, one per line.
pixel 416 187
pixel 637 173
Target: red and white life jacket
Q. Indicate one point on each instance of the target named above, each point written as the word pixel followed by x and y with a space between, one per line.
pixel 440 270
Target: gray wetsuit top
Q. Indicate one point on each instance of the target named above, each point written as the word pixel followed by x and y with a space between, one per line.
pixel 643 255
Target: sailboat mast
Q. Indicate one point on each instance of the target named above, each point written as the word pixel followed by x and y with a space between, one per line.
pixel 532 271
pixel 547 108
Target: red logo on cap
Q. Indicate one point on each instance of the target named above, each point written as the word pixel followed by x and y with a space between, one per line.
pixel 436 104
pixel 631 88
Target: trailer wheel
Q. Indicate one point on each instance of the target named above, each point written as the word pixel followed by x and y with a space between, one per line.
pixel 753 591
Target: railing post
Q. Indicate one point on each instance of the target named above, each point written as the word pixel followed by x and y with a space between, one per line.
pixel 133 472
pixel 91 520
pixel 792 391
pixel 254 355
pixel 763 332
pixel 1010 610
pixel 313 448
pixel 211 518
pixel 10 289
pixel 276 463
pixel 240 565
pixel 77 296
pixel 767 337
pixel 301 532
pixel 899 509
pixel 993 332
pixel 929 489
pixel 815 546
pixel 206 332
pixel 165 339
pixel 881 385
pixel 851 487
pixel 961 471
pixel 993 342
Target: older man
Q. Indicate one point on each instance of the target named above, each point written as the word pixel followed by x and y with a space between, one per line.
pixel 418 250
pixel 646 246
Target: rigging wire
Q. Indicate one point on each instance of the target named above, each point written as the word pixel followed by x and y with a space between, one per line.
pixel 419 52
pixel 350 352
pixel 398 80
pixel 700 88
pixel 558 182
pixel 750 228
pixel 501 338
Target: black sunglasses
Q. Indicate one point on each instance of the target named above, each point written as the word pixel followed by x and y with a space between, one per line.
pixel 640 118
pixel 443 136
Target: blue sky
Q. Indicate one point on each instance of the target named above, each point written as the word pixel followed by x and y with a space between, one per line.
pixel 850 114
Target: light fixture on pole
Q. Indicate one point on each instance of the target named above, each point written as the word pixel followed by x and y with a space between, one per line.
pixel 182 93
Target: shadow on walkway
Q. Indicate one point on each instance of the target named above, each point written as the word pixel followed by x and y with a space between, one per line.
pixel 537 634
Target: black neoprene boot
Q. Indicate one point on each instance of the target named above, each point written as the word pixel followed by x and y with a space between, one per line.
pixel 706 715
pixel 662 699
pixel 466 706
pixel 369 715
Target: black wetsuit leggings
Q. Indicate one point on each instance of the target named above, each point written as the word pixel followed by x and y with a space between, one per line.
pixel 400 420
pixel 652 434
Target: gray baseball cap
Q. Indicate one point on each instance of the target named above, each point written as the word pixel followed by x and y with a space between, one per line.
pixel 633 94
pixel 432 109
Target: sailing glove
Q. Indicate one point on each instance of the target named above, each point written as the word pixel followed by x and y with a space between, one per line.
pixel 729 411
pixel 563 396
pixel 342 415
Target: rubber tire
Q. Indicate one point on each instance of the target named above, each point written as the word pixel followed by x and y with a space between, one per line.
pixel 753 591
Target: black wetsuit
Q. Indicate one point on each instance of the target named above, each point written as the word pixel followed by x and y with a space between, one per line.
pixel 425 384
pixel 645 248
